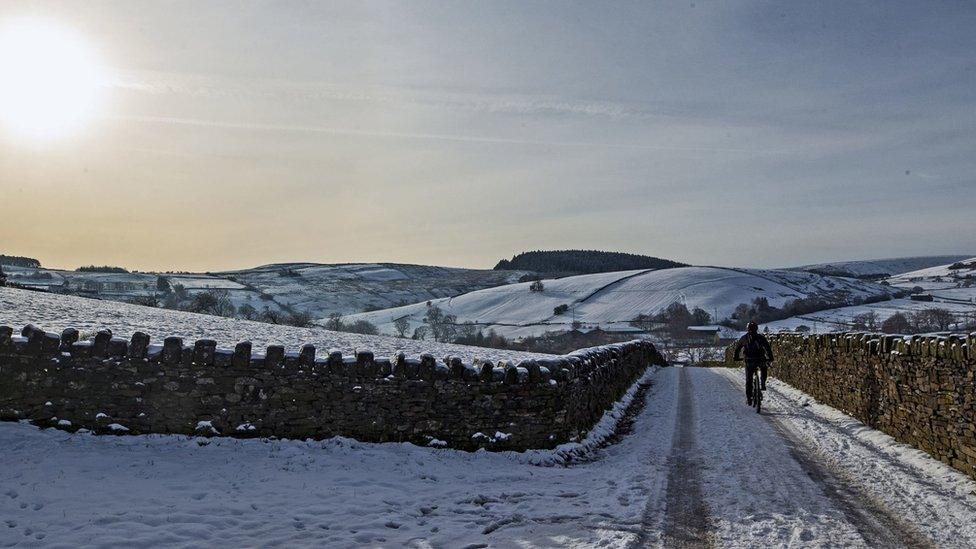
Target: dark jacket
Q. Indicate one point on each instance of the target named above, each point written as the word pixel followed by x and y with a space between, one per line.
pixel 756 352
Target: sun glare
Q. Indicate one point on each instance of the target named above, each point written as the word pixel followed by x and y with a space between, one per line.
pixel 50 79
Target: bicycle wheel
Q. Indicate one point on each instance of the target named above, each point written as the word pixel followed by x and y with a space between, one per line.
pixel 757 394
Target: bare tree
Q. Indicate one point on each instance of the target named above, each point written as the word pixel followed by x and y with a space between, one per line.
pixel 441 326
pixel 362 327
pixel 247 312
pixel 401 325
pixel 301 319
pixel 896 324
pixel 865 321
pixel 334 322
pixel 272 316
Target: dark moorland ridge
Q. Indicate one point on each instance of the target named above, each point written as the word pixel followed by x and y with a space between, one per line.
pixel 19 261
pixel 582 262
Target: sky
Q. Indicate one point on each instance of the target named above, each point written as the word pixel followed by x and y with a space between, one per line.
pixel 234 134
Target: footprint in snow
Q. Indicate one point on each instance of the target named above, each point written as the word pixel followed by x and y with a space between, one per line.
pixel 394 525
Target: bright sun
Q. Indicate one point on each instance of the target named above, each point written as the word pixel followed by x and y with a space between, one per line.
pixel 50 80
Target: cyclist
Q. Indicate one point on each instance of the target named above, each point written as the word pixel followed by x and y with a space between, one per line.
pixel 758 354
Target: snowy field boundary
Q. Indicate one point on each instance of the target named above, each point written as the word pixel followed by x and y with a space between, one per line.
pixel 109 385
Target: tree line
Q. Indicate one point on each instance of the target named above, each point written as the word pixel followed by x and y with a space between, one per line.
pixel 582 262
pixel 19 261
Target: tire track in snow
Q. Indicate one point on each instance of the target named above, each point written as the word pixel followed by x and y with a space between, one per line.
pixel 877 524
pixel 687 522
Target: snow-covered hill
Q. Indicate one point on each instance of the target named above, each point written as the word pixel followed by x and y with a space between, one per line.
pixel 842 318
pixel 611 300
pixel 879 268
pixel 55 312
pixel 291 287
pixel 323 289
pixel 952 286
pixel 960 273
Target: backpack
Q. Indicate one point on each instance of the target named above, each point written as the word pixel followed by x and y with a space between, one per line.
pixel 752 347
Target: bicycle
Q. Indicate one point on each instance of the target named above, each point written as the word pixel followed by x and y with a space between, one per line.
pixel 757 392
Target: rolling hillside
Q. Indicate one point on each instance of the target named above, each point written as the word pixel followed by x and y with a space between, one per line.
pixel 316 288
pixel 611 300
pixel 952 287
pixel 961 273
pixel 323 289
pixel 55 312
pixel 879 268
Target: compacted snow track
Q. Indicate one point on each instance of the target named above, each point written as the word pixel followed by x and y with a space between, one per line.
pixel 696 467
pixel 789 476
pixel 687 521
pixel 874 521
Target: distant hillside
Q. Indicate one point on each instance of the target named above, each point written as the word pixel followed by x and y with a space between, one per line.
pixel 355 287
pixel 317 289
pixel 55 312
pixel 582 262
pixel 951 287
pixel 875 269
pixel 611 300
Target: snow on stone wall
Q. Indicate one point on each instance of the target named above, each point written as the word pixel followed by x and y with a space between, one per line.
pixel 118 386
pixel 918 389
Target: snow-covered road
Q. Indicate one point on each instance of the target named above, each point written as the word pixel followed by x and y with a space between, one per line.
pixel 697 465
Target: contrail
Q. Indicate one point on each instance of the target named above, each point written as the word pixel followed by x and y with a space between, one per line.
pixel 252 126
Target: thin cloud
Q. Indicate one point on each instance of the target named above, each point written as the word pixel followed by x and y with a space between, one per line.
pixel 157 83
pixel 255 126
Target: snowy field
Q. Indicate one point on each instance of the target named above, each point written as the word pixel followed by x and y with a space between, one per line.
pixel 881 268
pixel 324 289
pixel 941 273
pixel 944 283
pixel 316 288
pixel 952 289
pixel 55 312
pixel 833 320
pixel 76 490
pixel 611 300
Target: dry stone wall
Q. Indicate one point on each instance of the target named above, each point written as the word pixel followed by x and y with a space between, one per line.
pixel 113 385
pixel 918 389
